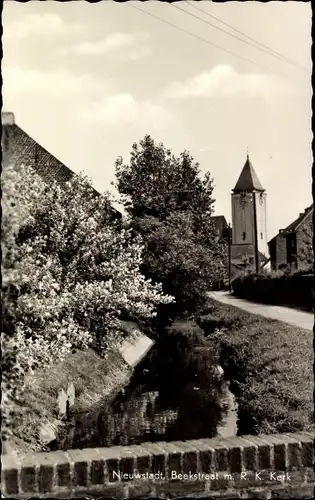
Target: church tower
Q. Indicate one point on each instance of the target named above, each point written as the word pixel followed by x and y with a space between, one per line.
pixel 249 225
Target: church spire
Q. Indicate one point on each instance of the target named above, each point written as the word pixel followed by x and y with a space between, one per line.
pixel 248 180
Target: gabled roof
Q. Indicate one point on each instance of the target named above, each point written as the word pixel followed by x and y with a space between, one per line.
pixel 294 226
pixel 18 148
pixel 219 221
pixel 220 225
pixel 248 180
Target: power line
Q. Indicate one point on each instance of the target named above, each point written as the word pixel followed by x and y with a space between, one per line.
pixel 207 41
pixel 264 48
pixel 232 27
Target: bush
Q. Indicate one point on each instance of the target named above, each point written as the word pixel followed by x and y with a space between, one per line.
pixel 269 364
pixel 174 257
pixel 287 289
pixel 68 277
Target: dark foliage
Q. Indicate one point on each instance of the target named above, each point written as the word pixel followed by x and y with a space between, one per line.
pixel 294 290
pixel 170 205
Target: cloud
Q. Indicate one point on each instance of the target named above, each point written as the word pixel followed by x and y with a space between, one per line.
pixel 38 25
pixel 224 81
pixel 124 109
pixel 59 84
pixel 139 54
pixel 112 44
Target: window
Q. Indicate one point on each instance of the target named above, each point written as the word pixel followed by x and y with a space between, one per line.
pixel 261 236
pixel 244 236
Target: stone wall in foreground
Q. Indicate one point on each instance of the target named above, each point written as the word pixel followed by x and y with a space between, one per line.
pixel 273 466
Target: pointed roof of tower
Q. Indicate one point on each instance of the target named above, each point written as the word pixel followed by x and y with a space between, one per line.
pixel 248 180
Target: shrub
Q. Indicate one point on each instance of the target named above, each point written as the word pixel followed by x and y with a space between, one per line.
pixel 281 288
pixel 186 269
pixel 68 277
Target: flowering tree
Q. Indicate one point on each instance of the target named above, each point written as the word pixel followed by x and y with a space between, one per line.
pixel 68 276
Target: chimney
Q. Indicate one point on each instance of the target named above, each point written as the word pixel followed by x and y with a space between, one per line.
pixel 7 118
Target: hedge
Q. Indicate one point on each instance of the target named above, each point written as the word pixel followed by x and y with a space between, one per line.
pixel 293 290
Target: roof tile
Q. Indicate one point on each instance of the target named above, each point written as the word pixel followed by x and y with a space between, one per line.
pixel 295 224
pixel 18 148
pixel 291 228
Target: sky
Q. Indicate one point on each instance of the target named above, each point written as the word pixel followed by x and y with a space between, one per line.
pixel 86 81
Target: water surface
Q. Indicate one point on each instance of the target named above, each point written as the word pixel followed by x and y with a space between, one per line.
pixel 171 396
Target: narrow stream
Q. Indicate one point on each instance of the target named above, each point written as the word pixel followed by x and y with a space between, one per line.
pixel 228 425
pixel 170 397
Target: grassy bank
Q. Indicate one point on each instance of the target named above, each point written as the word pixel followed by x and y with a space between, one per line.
pixel 94 379
pixel 270 367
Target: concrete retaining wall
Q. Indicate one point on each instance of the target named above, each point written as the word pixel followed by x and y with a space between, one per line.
pixel 241 467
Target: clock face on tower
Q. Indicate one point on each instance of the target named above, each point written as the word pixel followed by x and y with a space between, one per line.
pixel 243 200
pixel 261 199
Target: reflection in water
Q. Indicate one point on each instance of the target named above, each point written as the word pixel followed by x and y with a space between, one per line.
pixel 170 397
pixel 131 419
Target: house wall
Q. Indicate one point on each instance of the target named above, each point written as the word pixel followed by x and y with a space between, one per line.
pixel 304 245
pixel 291 250
pixel 281 250
pixel 304 241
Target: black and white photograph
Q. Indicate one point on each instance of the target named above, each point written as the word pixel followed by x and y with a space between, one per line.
pixel 157 250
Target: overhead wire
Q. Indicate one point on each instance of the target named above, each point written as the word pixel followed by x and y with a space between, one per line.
pixel 207 41
pixel 263 48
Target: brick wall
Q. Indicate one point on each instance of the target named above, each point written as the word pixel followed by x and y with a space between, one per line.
pixel 273 466
pixel 304 237
pixel 281 252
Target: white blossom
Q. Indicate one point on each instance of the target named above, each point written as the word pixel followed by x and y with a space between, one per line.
pixel 67 275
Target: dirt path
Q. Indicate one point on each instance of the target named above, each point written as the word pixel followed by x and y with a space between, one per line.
pixel 284 314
